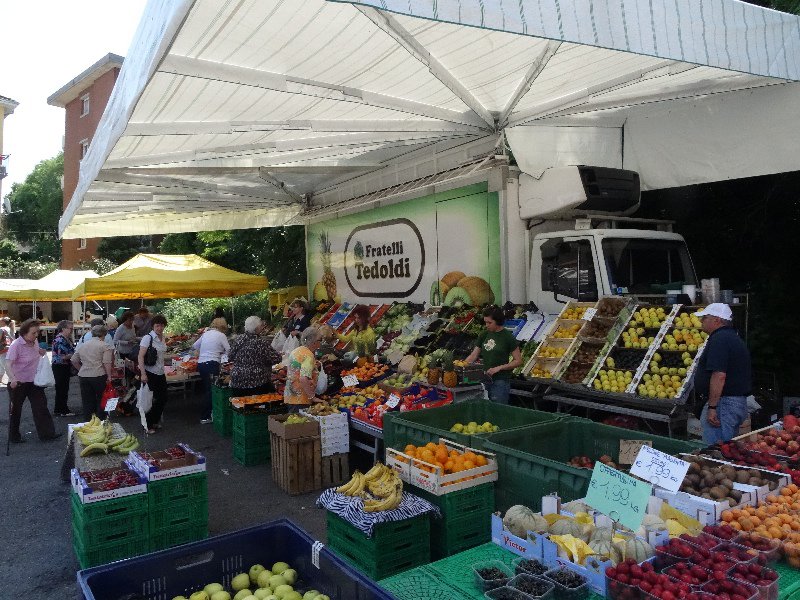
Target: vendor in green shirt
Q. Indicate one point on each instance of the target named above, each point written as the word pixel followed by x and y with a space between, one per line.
pixel 494 347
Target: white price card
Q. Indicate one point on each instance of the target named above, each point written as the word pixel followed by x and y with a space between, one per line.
pixel 350 381
pixel 589 314
pixel 659 468
pixel 629 450
pixel 111 404
pixel 393 401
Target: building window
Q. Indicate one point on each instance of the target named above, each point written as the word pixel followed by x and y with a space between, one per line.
pixel 85 105
pixel 82 244
pixel 84 147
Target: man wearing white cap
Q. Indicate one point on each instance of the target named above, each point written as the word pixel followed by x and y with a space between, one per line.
pixel 723 375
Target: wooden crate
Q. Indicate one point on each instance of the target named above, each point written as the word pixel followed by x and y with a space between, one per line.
pixel 296 463
pixel 335 469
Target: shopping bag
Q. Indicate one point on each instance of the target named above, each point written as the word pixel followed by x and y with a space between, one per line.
pixel 144 401
pixel 292 343
pixel 279 341
pixel 108 394
pixel 322 383
pixel 44 373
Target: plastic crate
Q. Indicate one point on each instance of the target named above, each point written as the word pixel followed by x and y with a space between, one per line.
pixel 418 584
pixel 180 514
pixel 116 508
pixel 421 427
pixel 250 425
pixel 100 554
pixel 533 460
pixel 478 499
pixel 168 538
pixel 250 457
pixel 166 492
pixel 221 410
pixel 394 547
pixel 180 571
pixel 92 532
pixel 453 535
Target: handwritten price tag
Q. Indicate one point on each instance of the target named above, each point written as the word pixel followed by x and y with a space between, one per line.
pixel 629 450
pixel 589 314
pixel 350 381
pixel 393 401
pixel 619 496
pixel 660 469
pixel 112 404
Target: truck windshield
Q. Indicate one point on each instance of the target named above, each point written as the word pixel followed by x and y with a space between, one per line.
pixel 642 266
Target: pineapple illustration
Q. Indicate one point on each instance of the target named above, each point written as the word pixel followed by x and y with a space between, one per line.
pixel 328 278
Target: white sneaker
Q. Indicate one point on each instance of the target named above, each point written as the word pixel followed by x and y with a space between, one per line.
pixel 207 421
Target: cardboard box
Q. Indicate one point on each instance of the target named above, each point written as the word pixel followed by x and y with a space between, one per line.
pixel 430 478
pixel 277 425
pixel 334 432
pixel 168 467
pixel 505 539
pixel 88 496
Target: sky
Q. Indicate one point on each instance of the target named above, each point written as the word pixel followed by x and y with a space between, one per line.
pixel 46 44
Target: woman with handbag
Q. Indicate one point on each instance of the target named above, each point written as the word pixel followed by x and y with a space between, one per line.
pixel 63 349
pixel 252 358
pixel 22 361
pixel 151 368
pixel 93 359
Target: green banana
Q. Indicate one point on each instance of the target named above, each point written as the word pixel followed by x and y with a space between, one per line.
pixel 94 448
pixel 127 449
pixel 120 441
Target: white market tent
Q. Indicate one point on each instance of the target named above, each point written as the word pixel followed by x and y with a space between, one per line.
pixel 260 112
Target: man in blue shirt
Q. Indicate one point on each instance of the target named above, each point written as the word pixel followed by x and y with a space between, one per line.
pixel 723 376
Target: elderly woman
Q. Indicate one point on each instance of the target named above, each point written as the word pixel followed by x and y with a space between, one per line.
pixel 153 375
pixel 93 360
pixel 302 372
pixel 252 357
pixel 22 360
pixel 211 346
pixel 63 349
pixel 88 335
pixel 125 340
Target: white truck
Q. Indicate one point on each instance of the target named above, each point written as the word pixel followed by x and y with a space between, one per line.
pixel 563 236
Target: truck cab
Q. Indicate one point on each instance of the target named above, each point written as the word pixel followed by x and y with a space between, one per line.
pixel 584 243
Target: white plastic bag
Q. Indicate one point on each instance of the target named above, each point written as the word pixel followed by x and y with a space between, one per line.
pixel 44 373
pixel 292 343
pixel 279 341
pixel 144 401
pixel 322 383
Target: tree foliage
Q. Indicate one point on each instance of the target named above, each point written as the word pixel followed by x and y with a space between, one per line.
pixel 122 248
pixel 277 252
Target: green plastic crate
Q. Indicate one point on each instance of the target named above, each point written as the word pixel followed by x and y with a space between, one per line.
pixel 176 536
pixel 100 554
pixel 250 425
pixel 418 584
pixel 394 547
pixel 476 499
pixel 221 410
pixel 251 456
pixel 532 461
pixel 166 492
pixel 423 426
pixel 116 508
pixel 452 535
pixel 179 514
pixel 111 528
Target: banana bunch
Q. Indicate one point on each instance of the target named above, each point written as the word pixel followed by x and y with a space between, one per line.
pixel 380 487
pixel 124 445
pixel 94 432
pixel 354 487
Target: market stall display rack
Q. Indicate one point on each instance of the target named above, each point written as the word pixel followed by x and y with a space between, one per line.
pixel 395 546
pixel 180 571
pixel 534 460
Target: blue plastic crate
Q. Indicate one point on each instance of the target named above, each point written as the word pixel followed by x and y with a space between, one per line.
pixel 182 570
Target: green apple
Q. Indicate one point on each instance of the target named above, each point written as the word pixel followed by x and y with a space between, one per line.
pixel 283 590
pixel 263 578
pixel 254 571
pixel 212 588
pixel 293 595
pixel 311 595
pixel 279 567
pixel 290 575
pixel 201 595
pixel 221 595
pixel 240 582
pixel 276 580
pixel 180 598
pixel 262 593
pixel 242 594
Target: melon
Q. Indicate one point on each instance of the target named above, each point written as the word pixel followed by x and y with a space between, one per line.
pixel 519 520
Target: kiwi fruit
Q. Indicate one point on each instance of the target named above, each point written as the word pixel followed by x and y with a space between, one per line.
pixel 742 477
pixel 755 481
pixel 719 476
pixel 771 485
pixel 718 492
pixel 457 297
pixel 727 483
pixel 694 467
pixel 736 495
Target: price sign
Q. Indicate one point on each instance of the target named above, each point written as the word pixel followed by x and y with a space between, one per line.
pixel 629 450
pixel 350 380
pixel 660 469
pixel 393 401
pixel 590 312
pixel 111 404
pixel 619 496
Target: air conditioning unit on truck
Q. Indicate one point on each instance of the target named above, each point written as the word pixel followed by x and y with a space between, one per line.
pixel 584 245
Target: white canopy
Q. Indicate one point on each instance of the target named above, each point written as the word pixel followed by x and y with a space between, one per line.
pixel 249 113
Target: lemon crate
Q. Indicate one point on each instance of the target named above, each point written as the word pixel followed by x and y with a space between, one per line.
pixel 465 522
pixel 221 410
pixel 429 477
pixel 395 546
pixel 167 538
pixel 110 521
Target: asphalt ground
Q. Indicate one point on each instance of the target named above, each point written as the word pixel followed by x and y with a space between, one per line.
pixel 37 560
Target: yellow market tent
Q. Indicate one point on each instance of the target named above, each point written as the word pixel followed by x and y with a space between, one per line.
pixel 58 286
pixel 168 276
